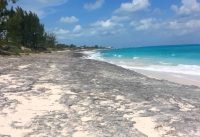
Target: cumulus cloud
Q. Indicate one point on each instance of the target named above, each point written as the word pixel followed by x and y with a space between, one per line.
pixel 189 24
pixel 63 34
pixel 143 24
pixel 106 27
pixel 104 24
pixel 120 18
pixel 60 31
pixel 77 28
pixel 40 7
pixel 176 26
pixel 135 5
pixel 51 2
pixel 71 19
pixel 187 7
pixel 93 6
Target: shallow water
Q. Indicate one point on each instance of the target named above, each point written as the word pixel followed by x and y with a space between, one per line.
pixel 181 59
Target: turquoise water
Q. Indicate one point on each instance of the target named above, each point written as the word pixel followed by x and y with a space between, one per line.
pixel 186 54
pixel 182 59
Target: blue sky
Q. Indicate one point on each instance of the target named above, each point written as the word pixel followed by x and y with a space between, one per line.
pixel 119 23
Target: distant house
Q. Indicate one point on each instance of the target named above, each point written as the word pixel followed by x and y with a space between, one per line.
pixel 3 35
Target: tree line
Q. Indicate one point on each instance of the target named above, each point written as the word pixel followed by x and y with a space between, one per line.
pixel 79 47
pixel 20 29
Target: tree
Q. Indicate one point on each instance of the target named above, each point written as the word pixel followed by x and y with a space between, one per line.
pixel 22 28
pixel 15 26
pixel 50 40
pixel 4 13
pixel 34 30
pixel 25 28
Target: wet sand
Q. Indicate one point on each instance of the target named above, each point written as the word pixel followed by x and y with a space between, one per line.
pixel 173 77
pixel 61 94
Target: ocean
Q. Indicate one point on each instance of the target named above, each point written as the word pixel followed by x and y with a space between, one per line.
pixel 179 59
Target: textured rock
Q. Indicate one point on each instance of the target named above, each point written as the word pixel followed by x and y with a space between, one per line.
pixel 61 94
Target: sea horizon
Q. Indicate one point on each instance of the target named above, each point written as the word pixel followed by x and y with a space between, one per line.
pixel 100 68
pixel 178 61
pixel 156 45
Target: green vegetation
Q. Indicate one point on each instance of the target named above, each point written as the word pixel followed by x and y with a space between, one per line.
pixel 22 32
pixel 75 47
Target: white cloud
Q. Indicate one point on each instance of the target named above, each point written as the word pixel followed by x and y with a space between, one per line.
pixel 120 18
pixel 93 6
pixel 63 34
pixel 104 24
pixel 189 25
pixel 176 26
pixel 40 7
pixel 187 7
pixel 77 28
pixel 61 31
pixel 52 2
pixel 71 19
pixel 105 28
pixel 183 27
pixel 145 24
pixel 47 3
pixel 135 5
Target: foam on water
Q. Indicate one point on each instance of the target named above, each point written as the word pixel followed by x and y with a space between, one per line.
pixel 179 69
pixel 93 55
pixel 181 61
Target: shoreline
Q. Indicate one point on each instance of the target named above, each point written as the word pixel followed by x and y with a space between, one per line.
pixel 62 94
pixel 183 79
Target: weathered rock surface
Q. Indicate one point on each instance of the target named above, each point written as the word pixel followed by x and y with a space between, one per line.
pixel 63 95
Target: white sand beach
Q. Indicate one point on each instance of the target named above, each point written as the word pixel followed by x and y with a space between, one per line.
pixel 62 94
pixel 173 77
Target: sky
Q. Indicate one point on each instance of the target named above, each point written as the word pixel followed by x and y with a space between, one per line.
pixel 119 23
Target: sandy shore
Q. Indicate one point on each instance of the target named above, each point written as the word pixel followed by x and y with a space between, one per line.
pixel 63 95
pixel 173 77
